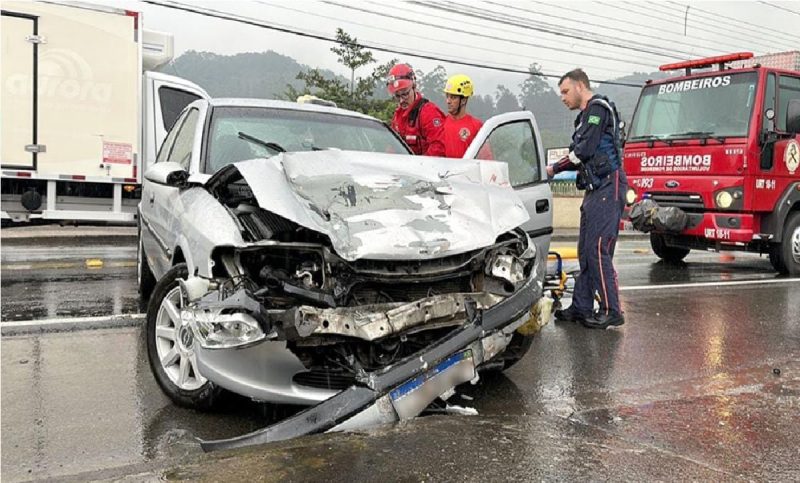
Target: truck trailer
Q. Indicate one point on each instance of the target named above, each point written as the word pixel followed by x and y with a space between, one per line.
pixel 82 113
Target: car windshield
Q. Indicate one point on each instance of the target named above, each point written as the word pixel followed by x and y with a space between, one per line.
pixel 240 133
pixel 713 106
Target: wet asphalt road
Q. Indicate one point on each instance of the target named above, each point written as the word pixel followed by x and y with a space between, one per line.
pixel 686 389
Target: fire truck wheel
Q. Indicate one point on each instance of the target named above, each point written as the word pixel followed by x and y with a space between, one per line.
pixel 785 257
pixel 666 252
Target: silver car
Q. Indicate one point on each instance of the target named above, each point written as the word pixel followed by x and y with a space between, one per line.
pixel 292 251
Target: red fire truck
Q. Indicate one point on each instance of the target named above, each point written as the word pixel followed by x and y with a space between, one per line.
pixel 721 143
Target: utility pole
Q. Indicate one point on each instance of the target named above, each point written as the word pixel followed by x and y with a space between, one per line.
pixel 685 20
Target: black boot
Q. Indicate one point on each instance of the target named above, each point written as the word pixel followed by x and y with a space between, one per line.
pixel 569 315
pixel 601 320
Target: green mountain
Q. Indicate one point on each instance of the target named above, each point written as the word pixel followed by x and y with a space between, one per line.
pixel 262 75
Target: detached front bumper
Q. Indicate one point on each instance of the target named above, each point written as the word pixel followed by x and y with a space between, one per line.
pixel 486 333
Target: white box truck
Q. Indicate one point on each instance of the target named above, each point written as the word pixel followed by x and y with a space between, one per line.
pixel 81 114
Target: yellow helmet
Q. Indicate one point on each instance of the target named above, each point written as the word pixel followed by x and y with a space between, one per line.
pixel 459 85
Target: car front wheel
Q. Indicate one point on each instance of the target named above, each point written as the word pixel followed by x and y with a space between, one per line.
pixel 171 347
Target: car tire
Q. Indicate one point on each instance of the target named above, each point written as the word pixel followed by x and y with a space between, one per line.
pixel 666 252
pixel 776 258
pixel 144 274
pixel 516 349
pixel 785 256
pixel 170 347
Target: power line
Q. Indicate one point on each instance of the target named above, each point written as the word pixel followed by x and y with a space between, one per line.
pixel 482 36
pixel 741 24
pixel 405 33
pixel 558 17
pixel 607 43
pixel 651 10
pixel 649 27
pixel 779 7
pixel 262 24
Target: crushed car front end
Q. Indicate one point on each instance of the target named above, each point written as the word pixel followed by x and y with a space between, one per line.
pixel 295 323
pixel 314 275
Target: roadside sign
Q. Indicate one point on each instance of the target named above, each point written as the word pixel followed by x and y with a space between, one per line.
pixel 553 155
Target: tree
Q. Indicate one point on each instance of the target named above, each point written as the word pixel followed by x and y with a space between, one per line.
pixel 432 84
pixel 481 107
pixel 505 100
pixel 534 87
pixel 360 94
pixel 351 54
pixel 537 96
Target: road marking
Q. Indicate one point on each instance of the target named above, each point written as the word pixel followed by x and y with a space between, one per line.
pixel 710 284
pixel 70 323
pixel 62 265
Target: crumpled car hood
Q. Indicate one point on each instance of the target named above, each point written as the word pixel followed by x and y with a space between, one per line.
pixel 384 206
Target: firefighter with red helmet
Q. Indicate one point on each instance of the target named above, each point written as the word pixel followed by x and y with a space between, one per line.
pixel 417 120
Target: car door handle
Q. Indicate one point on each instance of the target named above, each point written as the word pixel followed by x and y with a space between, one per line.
pixel 542 206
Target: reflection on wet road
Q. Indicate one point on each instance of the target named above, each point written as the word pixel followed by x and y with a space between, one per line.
pixel 34 287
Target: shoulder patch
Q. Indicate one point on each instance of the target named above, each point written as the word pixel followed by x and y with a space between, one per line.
pixel 594 120
pixel 437 122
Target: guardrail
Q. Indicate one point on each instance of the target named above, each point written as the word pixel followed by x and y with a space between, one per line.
pixel 565 188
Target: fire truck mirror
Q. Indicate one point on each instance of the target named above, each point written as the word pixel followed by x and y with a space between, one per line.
pixel 769 114
pixel 793 116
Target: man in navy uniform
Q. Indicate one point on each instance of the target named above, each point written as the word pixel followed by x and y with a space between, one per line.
pixel 596 154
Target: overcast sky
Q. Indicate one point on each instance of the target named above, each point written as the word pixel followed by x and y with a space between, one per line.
pixel 607 38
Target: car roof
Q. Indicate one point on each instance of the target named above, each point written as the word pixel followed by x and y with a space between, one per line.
pixel 276 104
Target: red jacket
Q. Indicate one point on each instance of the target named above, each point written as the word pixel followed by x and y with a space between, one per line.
pixel 458 134
pixel 425 136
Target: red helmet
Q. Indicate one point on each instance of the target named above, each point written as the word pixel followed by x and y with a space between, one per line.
pixel 400 76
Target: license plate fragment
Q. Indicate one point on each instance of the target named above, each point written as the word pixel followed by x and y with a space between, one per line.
pixel 413 396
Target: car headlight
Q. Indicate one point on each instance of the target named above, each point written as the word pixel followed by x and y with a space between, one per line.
pixel 630 196
pixel 724 199
pixel 222 331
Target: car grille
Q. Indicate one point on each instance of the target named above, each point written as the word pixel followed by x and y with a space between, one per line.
pixel 406 267
pixel 370 293
pixel 690 202
pixel 322 379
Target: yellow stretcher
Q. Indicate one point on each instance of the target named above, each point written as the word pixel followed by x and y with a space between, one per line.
pixel 556 284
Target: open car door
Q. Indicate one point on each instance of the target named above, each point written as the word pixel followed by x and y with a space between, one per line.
pixel 514 139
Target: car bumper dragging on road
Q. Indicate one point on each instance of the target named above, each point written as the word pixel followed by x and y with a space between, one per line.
pixel 406 388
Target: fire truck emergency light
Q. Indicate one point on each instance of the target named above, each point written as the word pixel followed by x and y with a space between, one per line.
pixel 708 61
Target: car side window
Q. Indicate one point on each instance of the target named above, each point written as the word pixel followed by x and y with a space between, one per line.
pixel 181 151
pixel 172 103
pixel 788 89
pixel 169 141
pixel 515 144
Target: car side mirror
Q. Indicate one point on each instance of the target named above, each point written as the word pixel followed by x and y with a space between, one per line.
pixel 793 116
pixel 168 173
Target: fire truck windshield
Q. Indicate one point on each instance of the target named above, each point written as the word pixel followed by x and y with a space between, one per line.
pixel 710 106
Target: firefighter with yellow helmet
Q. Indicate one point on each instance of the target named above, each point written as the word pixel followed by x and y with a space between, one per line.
pixel 459 126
